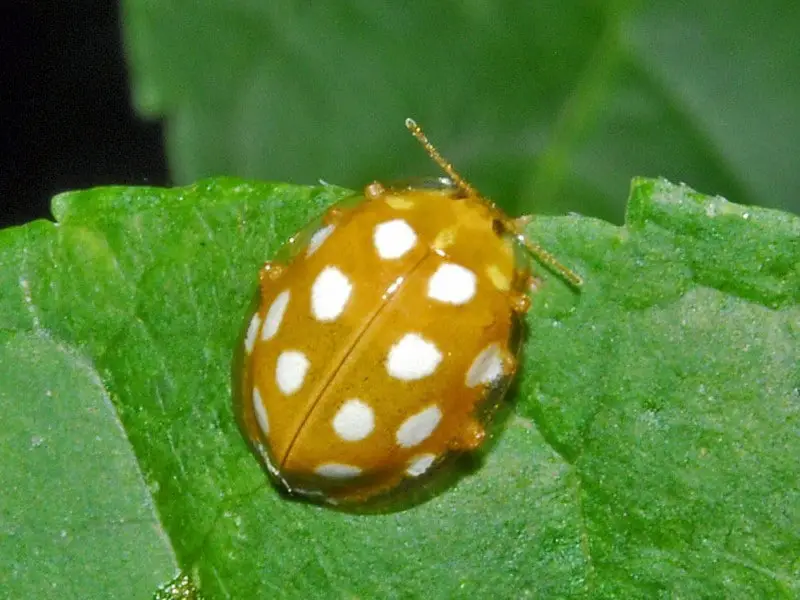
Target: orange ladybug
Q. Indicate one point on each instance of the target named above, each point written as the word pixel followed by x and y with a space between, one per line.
pixel 380 339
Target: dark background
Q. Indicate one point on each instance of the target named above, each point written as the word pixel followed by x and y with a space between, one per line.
pixel 65 113
pixel 66 120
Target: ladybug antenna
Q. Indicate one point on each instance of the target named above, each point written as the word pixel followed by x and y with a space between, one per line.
pixel 514 227
pixel 457 180
pixel 543 256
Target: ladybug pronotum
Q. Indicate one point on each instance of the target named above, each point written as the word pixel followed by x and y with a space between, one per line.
pixel 385 339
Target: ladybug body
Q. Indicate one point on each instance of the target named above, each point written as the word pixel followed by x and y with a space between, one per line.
pixel 377 345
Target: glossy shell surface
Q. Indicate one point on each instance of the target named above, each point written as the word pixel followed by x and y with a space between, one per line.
pixel 382 341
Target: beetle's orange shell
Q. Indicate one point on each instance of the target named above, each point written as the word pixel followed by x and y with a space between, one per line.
pixel 363 331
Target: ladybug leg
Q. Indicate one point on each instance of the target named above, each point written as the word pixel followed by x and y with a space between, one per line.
pixel 520 302
pixel 269 274
pixel 470 437
pixel 374 190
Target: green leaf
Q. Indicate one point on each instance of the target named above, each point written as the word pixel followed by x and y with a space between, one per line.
pixel 546 107
pixel 651 451
pixel 76 520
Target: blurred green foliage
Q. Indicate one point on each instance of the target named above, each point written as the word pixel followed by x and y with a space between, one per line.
pixel 545 107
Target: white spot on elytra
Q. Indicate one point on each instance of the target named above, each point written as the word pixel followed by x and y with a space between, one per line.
pixel 275 315
pixel 452 283
pixel 290 371
pixel 487 366
pixel 252 333
pixel 499 279
pixel 329 294
pixel 413 357
pixel 337 471
pixel 393 239
pixel 417 428
pixel 354 421
pixel 261 411
pixel 318 238
pixel 420 464
pixel 399 203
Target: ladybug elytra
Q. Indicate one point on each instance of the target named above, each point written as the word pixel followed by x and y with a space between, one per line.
pixel 382 343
